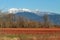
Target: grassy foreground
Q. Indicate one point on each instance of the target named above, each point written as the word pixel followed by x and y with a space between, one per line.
pixel 54 36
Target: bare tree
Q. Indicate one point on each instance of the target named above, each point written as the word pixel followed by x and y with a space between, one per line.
pixel 46 21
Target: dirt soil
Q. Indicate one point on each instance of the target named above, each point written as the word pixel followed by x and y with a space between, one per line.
pixel 29 34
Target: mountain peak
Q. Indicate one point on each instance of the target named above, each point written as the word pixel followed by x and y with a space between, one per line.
pixel 14 10
pixel 36 11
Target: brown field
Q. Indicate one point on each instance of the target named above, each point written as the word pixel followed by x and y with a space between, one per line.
pixel 30 33
pixel 29 30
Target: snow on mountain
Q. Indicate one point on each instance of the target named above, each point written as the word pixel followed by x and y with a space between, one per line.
pixel 25 10
pixel 35 15
pixel 36 11
pixel 14 10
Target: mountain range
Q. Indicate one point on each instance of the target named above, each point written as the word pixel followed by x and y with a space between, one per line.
pixel 36 15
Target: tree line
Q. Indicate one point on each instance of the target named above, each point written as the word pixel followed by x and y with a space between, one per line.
pixel 14 21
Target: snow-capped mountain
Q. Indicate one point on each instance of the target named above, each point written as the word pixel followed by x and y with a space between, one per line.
pixel 36 11
pixel 35 15
pixel 15 10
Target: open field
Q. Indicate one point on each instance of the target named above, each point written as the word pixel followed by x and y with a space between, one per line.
pixel 28 30
pixel 29 34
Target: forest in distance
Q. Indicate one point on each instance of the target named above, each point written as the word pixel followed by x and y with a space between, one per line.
pixel 13 21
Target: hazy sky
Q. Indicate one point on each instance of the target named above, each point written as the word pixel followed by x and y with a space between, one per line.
pixel 42 5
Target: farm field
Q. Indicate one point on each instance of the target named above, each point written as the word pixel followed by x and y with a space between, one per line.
pixel 29 34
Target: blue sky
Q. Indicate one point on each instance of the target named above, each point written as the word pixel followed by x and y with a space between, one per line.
pixel 42 5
